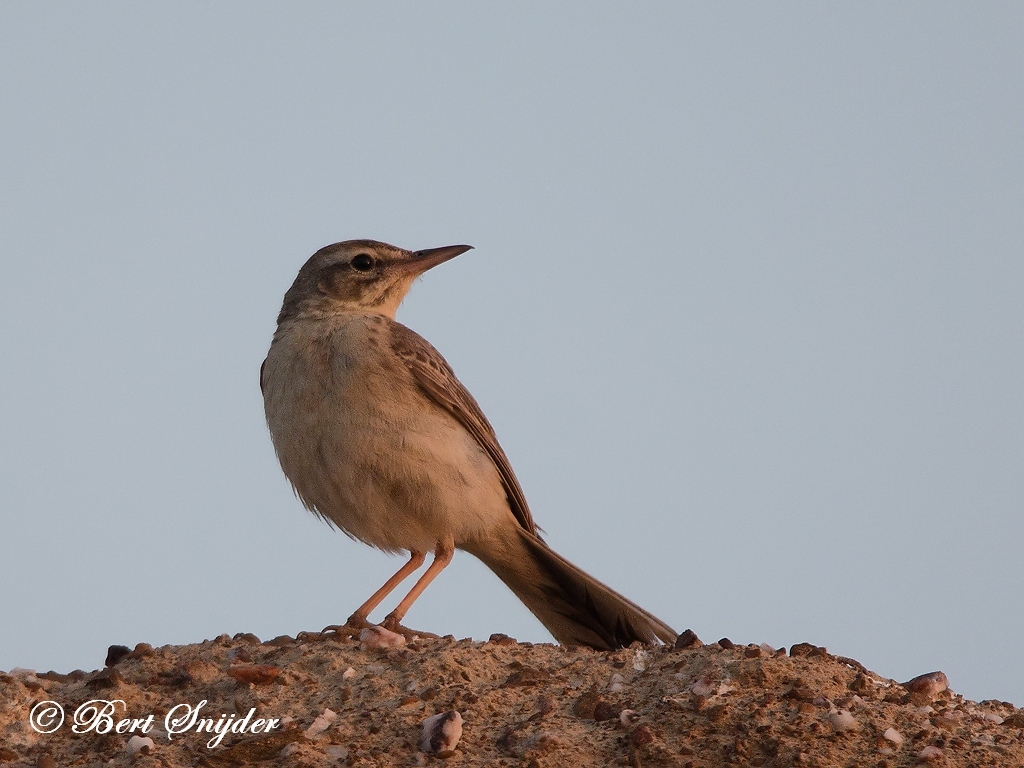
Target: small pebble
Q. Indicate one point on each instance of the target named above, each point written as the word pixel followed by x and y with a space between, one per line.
pixel 928 686
pixel 929 754
pixel 321 724
pixel 499 638
pixel 138 744
pixel 616 683
pixel 378 637
pixel 843 721
pixel 894 736
pixel 688 639
pixel 348 674
pixel 143 649
pixel 337 751
pixel 992 717
pixel 640 660
pixel 289 749
pixel 626 716
pixel 441 733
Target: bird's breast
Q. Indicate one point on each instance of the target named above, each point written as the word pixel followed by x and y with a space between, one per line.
pixel 365 448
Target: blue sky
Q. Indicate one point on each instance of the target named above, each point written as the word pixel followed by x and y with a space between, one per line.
pixel 744 309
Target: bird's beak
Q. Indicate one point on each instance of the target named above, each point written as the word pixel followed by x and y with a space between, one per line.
pixel 420 261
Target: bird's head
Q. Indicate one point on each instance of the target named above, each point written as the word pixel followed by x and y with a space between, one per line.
pixel 360 276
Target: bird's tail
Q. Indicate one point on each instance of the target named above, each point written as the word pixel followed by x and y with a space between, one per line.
pixel 574 606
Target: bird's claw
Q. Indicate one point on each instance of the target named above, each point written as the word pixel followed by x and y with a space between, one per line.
pixel 350 628
pixel 392 624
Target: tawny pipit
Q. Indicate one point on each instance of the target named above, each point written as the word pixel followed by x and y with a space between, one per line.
pixel 378 437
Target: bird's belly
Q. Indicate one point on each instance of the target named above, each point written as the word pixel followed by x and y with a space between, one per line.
pixel 414 486
pixel 392 470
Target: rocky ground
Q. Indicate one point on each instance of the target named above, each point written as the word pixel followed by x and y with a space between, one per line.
pixel 332 701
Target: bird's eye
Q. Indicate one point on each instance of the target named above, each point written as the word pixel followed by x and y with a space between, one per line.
pixel 362 262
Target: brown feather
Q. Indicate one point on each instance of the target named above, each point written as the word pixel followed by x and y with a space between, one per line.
pixel 436 378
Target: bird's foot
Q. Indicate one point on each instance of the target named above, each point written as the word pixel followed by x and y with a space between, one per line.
pixel 350 628
pixel 391 623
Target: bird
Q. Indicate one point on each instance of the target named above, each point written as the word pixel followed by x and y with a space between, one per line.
pixel 379 438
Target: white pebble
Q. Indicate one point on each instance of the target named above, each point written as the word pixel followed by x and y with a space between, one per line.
pixel 626 716
pixel 441 732
pixel 378 637
pixel 640 660
pixel 348 674
pixel 894 736
pixel 992 717
pixel 321 724
pixel 843 721
pixel 138 743
pixel 615 684
pixel 768 650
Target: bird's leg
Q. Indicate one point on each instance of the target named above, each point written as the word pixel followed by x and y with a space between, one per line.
pixel 442 556
pixel 357 620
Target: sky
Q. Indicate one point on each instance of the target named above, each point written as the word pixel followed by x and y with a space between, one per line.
pixel 745 310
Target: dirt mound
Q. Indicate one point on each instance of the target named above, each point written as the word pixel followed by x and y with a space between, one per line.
pixel 331 701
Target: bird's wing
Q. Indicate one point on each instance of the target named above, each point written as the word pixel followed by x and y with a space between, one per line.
pixel 436 378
